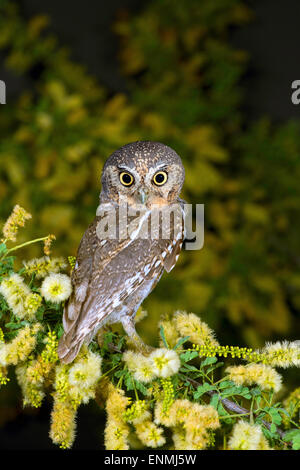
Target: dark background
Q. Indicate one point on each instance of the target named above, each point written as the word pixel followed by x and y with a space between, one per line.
pixel 272 39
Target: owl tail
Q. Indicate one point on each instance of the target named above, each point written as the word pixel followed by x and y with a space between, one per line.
pixel 67 353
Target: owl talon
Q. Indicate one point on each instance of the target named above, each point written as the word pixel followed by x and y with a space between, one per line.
pixel 135 340
pixel 140 346
pixel 146 349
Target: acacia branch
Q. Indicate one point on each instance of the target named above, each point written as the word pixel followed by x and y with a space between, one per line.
pixel 231 406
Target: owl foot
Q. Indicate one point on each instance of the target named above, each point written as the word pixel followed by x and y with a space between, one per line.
pixel 143 348
pixel 134 339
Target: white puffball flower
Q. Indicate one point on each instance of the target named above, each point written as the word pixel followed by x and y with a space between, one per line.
pixel 56 288
pixel 85 373
pixel 165 362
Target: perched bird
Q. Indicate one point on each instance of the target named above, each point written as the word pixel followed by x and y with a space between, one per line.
pixel 114 274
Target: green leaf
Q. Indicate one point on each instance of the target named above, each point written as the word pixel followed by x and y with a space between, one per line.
pixel 226 383
pixel 162 334
pixel 188 355
pixel 39 314
pixel 237 390
pixel 141 387
pixel 116 357
pixel 203 389
pixel 60 331
pixel 119 373
pixel 213 367
pixel 15 326
pixel 214 401
pixel 258 400
pixel 208 361
pixel 221 410
pixel 275 415
pixel 3 248
pixel 273 427
pixel 293 436
pixel 188 367
pixel 128 382
pixel 181 341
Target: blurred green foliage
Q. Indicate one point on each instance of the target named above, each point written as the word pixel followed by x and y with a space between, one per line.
pixel 185 91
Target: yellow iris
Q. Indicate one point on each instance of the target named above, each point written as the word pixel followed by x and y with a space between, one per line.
pixel 160 178
pixel 126 178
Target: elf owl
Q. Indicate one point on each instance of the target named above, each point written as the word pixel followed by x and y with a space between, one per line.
pixel 113 274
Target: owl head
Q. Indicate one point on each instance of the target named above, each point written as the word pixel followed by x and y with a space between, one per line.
pixel 144 172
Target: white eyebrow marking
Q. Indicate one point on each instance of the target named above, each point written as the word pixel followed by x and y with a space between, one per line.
pixel 162 165
pixel 124 167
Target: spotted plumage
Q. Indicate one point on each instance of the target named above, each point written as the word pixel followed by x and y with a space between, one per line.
pixel 113 275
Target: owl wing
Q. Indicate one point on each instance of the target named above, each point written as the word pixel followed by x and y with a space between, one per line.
pixel 90 249
pixel 108 273
pixel 171 248
pixel 113 283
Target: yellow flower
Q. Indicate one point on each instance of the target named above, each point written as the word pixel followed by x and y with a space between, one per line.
pixel 32 390
pixel 116 435
pixel 41 267
pixel 31 304
pixel 116 429
pixel 56 288
pixel 15 220
pixel 282 354
pixel 263 444
pixel 165 362
pixel 245 436
pixel 179 439
pixel 116 402
pixel 3 376
pixel 189 324
pixel 167 417
pixel 150 434
pixel 47 244
pixel 72 261
pixel 32 376
pixel 86 371
pixel 182 408
pixel 200 419
pixel 19 297
pixel 171 334
pixel 137 412
pixel 140 366
pixel 20 347
pixel 261 374
pixel 292 404
pixel 63 425
pixel 76 382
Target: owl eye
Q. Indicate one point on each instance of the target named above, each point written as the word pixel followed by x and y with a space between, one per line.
pixel 126 178
pixel 160 178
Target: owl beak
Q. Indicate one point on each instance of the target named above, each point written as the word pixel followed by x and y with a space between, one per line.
pixel 143 196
